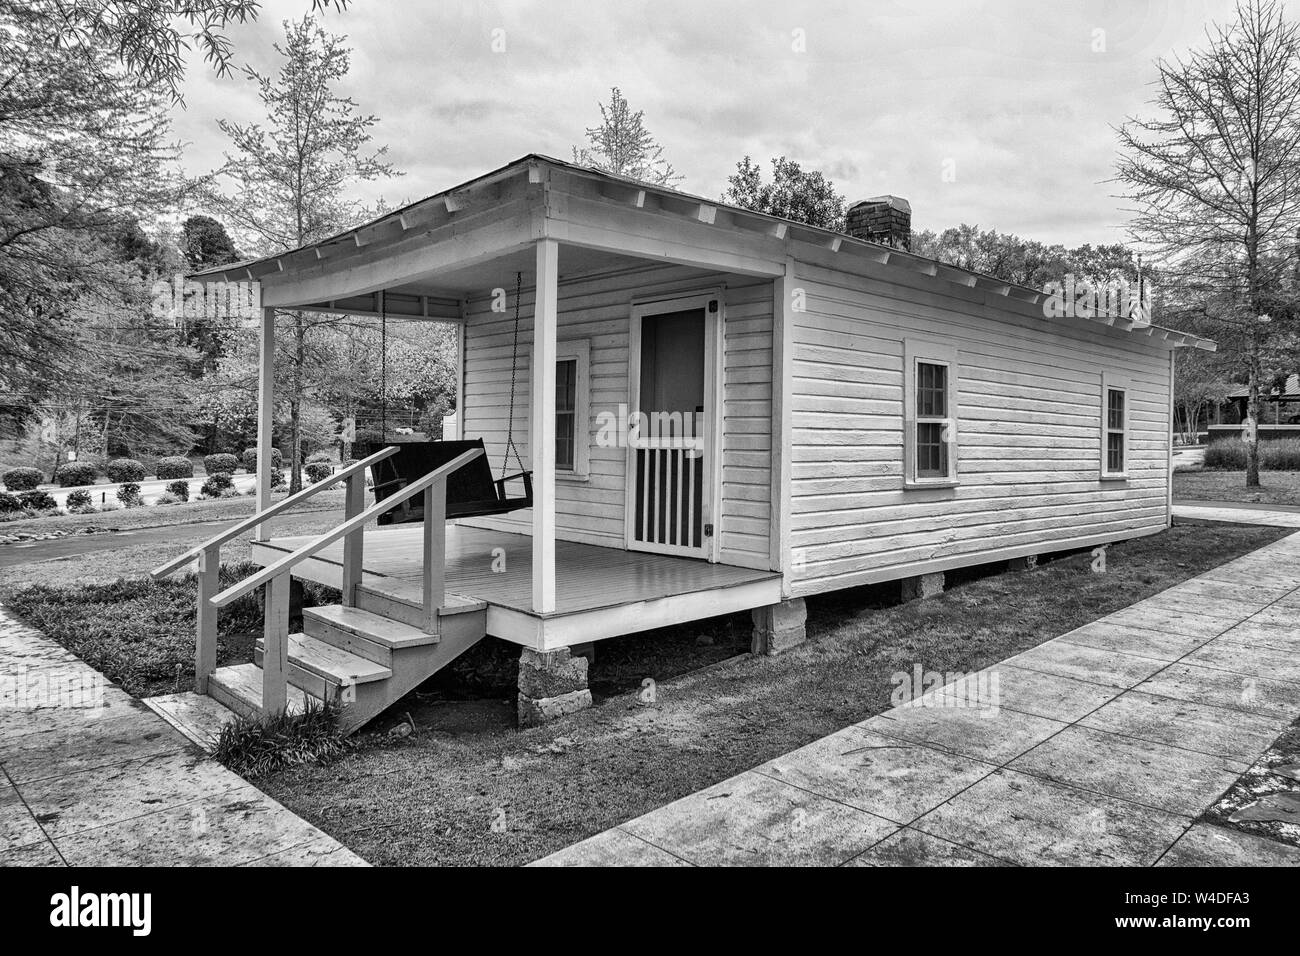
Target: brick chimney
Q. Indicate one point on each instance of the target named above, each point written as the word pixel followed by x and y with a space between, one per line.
pixel 884 219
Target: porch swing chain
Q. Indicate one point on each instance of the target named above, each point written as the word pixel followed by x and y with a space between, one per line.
pixel 514 363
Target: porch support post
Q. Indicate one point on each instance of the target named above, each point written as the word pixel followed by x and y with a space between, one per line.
pixel 265 417
pixel 542 435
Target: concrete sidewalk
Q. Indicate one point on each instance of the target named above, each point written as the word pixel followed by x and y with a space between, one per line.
pixel 1238 513
pixel 91 777
pixel 1100 747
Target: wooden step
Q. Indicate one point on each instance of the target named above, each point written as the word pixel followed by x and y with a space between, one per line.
pixel 363 633
pixel 239 687
pixel 331 664
pixel 388 603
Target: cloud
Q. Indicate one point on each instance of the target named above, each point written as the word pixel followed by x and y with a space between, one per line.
pixel 883 96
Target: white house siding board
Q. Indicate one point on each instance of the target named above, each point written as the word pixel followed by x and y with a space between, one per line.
pixel 1029 413
pixel 597 309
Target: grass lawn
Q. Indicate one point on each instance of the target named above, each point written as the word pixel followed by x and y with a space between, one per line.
pixel 467 788
pixel 1276 487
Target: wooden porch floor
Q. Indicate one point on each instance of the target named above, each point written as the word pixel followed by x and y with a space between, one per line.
pixel 587 577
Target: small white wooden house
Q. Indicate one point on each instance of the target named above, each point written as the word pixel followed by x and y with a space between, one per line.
pixel 721 411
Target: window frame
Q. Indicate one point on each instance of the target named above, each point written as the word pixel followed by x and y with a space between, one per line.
pixel 579 351
pixel 567 350
pixel 1114 383
pixel 915 353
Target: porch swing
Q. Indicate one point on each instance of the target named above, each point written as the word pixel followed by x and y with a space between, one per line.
pixel 472 492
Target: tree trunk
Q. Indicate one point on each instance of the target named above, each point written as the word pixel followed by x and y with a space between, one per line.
pixel 295 406
pixel 1252 434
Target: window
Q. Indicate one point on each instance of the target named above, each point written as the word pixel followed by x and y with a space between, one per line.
pixel 566 412
pixel 1114 428
pixel 929 407
pixel 572 432
pixel 931 410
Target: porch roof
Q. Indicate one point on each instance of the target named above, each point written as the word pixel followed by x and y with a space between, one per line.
pixel 755 242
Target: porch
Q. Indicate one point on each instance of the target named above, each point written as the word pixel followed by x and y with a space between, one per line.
pixel 600 591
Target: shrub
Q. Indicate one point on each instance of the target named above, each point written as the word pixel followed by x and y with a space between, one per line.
pixel 76 473
pixel 124 470
pixel 9 503
pixel 318 457
pixel 167 498
pixel 217 483
pixel 181 489
pixel 1229 454
pixel 37 500
pixel 250 460
pixel 79 501
pixel 175 466
pixel 129 495
pixel 23 479
pixel 255 747
pixel 278 479
pixel 221 464
pixel 318 471
pixel 1281 455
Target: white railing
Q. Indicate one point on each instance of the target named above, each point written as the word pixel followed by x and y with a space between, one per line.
pixel 276 577
pixel 209 557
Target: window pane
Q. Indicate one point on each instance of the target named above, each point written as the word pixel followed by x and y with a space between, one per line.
pixel 566 384
pixel 1114 409
pixel 1115 452
pixel 564 441
pixel 566 392
pixel 931 390
pixel 931 451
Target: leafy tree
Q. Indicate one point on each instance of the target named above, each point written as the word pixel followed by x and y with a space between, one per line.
pixel 792 194
pixel 1028 262
pixel 1215 176
pixel 623 146
pixel 205 243
pixel 84 154
pixel 151 38
pixel 289 181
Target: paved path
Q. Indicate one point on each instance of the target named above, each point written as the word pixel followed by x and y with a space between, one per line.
pixel 1238 513
pixel 1099 747
pixel 91 777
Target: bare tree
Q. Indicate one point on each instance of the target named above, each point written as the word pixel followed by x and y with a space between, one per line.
pixel 289 181
pixel 1216 179
pixel 623 146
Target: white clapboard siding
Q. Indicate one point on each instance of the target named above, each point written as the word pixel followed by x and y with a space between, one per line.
pixel 1028 434
pixel 597 309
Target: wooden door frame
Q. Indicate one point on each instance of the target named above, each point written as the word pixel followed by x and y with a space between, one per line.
pixel 714 325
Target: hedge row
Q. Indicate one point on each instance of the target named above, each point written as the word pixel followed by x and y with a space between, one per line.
pixel 1229 454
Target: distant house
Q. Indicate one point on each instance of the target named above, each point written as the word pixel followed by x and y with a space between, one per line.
pixel 817 411
pixel 1280 412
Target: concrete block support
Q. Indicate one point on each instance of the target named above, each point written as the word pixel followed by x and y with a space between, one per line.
pixel 923 586
pixel 779 627
pixel 1027 563
pixel 551 684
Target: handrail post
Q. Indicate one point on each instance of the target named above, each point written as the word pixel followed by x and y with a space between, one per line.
pixel 275 645
pixel 435 552
pixel 354 543
pixel 205 625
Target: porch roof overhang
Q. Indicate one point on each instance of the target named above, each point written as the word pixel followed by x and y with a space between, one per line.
pixel 424 259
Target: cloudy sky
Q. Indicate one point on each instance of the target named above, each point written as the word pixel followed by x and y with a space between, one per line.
pixel 1013 99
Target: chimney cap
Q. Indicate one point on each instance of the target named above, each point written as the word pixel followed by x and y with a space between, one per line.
pixel 894 202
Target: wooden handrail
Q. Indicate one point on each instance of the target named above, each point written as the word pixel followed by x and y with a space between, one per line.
pixel 272 571
pixel 280 506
